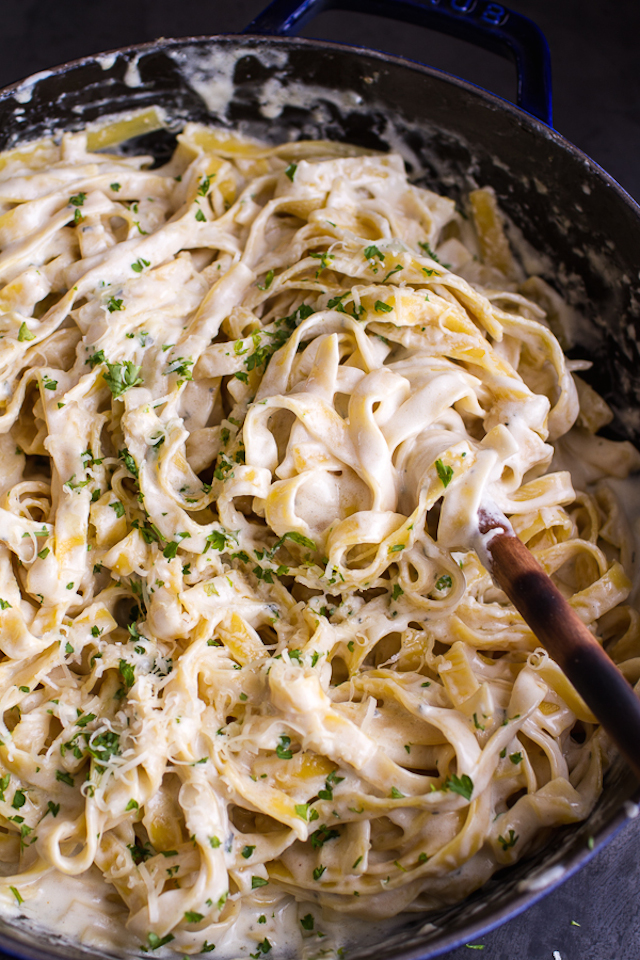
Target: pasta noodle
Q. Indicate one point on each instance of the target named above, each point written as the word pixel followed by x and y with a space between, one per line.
pixel 251 667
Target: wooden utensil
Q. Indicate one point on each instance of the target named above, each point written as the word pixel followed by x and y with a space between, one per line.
pixel 561 631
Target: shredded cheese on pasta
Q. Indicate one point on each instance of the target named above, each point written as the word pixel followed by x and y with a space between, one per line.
pixel 250 404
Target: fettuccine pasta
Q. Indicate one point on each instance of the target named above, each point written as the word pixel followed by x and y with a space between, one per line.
pixel 253 674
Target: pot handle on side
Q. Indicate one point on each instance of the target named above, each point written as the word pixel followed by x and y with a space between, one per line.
pixel 483 23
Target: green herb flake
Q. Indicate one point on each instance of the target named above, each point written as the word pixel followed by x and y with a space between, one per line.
pixel 127 672
pixel 444 582
pixel 96 358
pixel 268 280
pixel 371 252
pixel 113 305
pixel 247 851
pixel 192 917
pixel 63 777
pixel 121 377
pixel 291 171
pixel 382 307
pixel 200 217
pixel 445 473
pixel 24 333
pixel 258 882
pixel 139 265
pixel 16 893
pixel 155 941
pixel 397 267
pixel 307 922
pixel 510 842
pixel 462 785
pixel 320 836
pixel 284 753
pixel 429 252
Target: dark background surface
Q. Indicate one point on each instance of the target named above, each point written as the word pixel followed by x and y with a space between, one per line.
pixel 595 49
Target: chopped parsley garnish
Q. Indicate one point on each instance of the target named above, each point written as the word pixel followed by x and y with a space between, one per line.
pixel 139 265
pixel 63 777
pixel 305 812
pixel 444 581
pixel 395 793
pixel 24 333
pixel 444 472
pixel 397 267
pixel 327 793
pixel 200 217
pixel 127 672
pixel 78 199
pixel 191 916
pixel 118 508
pixel 121 377
pixel 462 785
pixel 510 842
pixel 317 873
pixel 258 882
pixel 247 851
pixel 429 252
pixel 515 757
pixel 320 836
pixel 307 922
pixel 114 304
pixel 203 186
pixel 180 365
pixel 129 462
pixel 216 540
pixel 324 259
pixel 371 252
pixel 282 750
pixel 291 171
pixel 155 941
pixel 295 537
pixel 382 307
pixel 268 280
pixel 96 358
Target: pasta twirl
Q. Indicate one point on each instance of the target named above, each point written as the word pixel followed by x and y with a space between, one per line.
pixel 251 402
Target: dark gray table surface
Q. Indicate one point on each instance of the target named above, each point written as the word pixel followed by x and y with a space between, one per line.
pixel 595 48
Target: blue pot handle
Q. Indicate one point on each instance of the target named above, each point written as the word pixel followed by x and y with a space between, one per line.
pixel 480 22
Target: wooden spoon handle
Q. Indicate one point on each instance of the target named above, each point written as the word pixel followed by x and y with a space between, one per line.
pixel 561 631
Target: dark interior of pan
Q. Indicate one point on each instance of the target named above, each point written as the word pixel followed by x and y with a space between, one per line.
pixel 454 137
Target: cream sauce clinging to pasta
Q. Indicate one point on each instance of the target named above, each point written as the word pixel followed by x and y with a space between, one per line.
pixel 255 681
